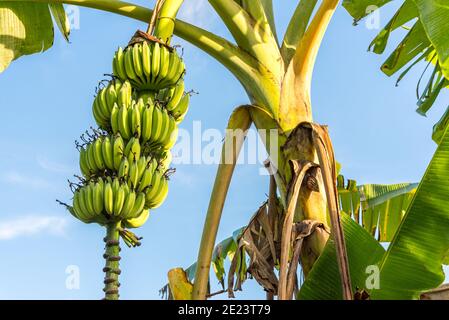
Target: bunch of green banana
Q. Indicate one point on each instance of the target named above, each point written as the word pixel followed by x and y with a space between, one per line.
pixel 107 200
pixel 115 92
pixel 148 65
pixel 151 123
pixel 106 153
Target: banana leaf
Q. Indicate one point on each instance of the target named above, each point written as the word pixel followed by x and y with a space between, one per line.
pixel 378 208
pixel 27 28
pixel 426 42
pixel 413 262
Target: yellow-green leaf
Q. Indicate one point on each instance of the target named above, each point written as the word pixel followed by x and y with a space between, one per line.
pixel 25 28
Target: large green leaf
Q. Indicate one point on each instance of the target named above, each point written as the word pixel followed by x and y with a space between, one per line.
pixel 427 41
pixel 359 9
pixel 434 15
pixel 25 28
pixel 323 282
pixel 62 21
pixel 413 262
pixel 378 208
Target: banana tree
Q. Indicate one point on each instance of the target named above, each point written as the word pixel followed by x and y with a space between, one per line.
pixel 276 74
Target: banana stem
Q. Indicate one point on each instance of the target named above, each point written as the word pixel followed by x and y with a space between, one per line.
pixel 165 22
pixel 240 120
pixel 112 257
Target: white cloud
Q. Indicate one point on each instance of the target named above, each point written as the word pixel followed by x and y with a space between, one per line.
pixel 32 225
pixel 17 178
pixel 52 166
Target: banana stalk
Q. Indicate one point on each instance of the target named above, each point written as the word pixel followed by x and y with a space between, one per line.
pixel 112 257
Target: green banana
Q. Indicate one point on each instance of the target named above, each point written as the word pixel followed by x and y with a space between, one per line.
pixel 132 150
pixel 181 109
pixel 147 123
pixel 123 123
pixel 91 158
pixel 135 119
pixel 114 118
pixel 119 200
pixel 118 148
pixel 175 96
pixel 139 205
pixel 124 169
pixel 161 194
pixel 106 150
pixel 119 65
pixel 133 175
pixel 164 64
pixel 137 61
pixel 84 167
pixel 155 61
pixel 137 222
pixel 146 59
pixel 128 204
pixel 157 124
pixel 98 153
pixel 108 198
pixel 98 198
pixel 129 65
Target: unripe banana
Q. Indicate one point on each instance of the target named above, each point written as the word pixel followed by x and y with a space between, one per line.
pixel 161 194
pixel 118 149
pixel 114 118
pixel 89 200
pixel 124 97
pixel 124 168
pixel 82 203
pixel 98 200
pixel 181 109
pixel 146 59
pixel 119 200
pixel 107 151
pixel 155 61
pixel 165 126
pixel 119 64
pixel 137 60
pixel 164 64
pixel 157 124
pixel 108 198
pixel 139 205
pixel 111 95
pixel 132 150
pixel 84 166
pixel 91 158
pixel 129 65
pixel 141 166
pixel 123 123
pixel 128 205
pixel 133 175
pixel 98 154
pixel 153 189
pixel 134 116
pixel 175 96
pixel 137 222
pixel 147 123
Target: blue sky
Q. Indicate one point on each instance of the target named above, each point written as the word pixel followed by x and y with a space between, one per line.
pixel 46 104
